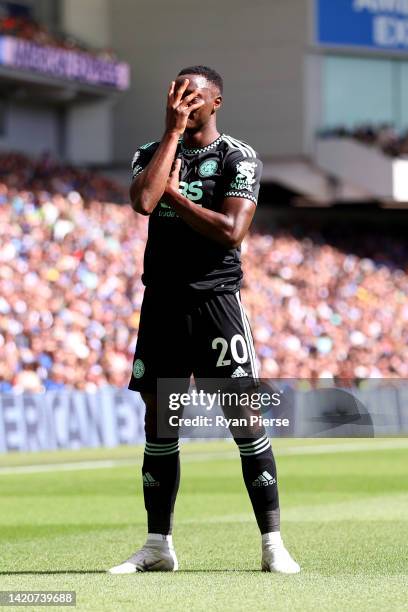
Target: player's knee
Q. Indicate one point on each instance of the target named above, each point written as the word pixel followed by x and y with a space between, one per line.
pixel 150 400
pixel 155 432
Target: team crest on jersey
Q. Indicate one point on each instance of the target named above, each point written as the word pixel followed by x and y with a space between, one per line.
pixel 245 177
pixel 138 368
pixel 208 168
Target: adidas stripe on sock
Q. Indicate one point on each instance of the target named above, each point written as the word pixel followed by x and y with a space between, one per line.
pixel 254 448
pixel 152 448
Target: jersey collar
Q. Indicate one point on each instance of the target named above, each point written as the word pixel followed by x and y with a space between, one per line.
pixel 201 149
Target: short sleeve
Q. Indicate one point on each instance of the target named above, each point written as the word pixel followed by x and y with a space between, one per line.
pixel 142 157
pixel 242 176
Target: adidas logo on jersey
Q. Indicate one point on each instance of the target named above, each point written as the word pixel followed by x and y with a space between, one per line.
pixel 264 480
pixel 149 481
pixel 239 373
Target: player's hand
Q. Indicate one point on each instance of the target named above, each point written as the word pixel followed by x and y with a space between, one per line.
pixel 174 178
pixel 179 108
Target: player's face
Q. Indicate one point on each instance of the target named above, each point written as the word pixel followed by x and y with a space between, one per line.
pixel 205 91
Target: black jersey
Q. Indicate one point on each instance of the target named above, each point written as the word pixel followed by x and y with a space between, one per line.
pixel 178 257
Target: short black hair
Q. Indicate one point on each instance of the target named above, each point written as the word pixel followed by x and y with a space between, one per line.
pixel 209 73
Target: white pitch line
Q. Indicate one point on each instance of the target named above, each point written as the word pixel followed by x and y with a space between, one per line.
pixel 318 449
pixel 63 467
pixel 343 447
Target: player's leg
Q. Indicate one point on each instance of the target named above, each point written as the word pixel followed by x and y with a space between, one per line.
pixel 160 472
pixel 226 353
pixel 224 350
pixel 161 477
pixel 160 352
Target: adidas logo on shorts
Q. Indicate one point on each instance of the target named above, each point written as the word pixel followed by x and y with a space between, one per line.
pixel 264 480
pixel 149 481
pixel 239 373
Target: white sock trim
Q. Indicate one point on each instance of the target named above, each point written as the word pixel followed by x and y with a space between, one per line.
pixel 159 537
pixel 273 537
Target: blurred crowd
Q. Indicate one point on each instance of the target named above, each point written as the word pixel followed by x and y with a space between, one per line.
pixel 28 29
pixel 328 306
pixel 386 137
pixel 70 290
pixel 45 174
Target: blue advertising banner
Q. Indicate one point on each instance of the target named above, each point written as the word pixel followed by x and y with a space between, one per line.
pixel 374 24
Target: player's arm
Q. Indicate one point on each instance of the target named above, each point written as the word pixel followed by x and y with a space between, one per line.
pixel 148 187
pixel 227 227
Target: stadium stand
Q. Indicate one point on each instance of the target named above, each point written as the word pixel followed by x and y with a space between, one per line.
pixel 321 305
pixel 385 137
pixel 47 174
pixel 28 29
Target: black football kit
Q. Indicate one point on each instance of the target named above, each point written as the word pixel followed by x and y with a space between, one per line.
pixel 192 320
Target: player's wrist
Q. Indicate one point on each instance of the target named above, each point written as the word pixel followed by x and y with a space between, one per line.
pixel 173 133
pixel 170 190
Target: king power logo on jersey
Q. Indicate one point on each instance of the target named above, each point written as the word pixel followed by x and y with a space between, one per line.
pixel 191 190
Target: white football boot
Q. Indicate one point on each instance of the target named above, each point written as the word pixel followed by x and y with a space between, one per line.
pixel 275 557
pixel 157 555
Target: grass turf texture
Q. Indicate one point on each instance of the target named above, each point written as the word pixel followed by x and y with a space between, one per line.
pixel 344 518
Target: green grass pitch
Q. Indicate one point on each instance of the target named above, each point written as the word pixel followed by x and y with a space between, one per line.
pixel 344 518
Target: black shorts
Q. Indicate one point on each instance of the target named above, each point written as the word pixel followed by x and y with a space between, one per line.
pixel 207 336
